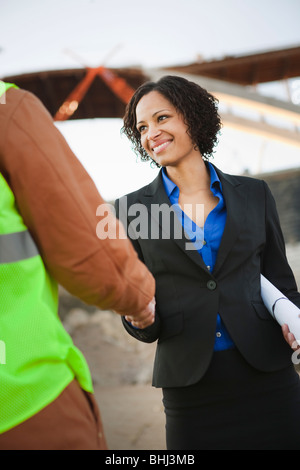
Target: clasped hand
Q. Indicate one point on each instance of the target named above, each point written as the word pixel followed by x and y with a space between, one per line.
pixel 144 318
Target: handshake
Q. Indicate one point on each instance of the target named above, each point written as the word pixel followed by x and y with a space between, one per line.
pixel 144 318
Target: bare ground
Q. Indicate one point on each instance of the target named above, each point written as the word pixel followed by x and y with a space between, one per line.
pixel 121 367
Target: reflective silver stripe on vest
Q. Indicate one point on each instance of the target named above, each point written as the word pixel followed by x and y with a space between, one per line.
pixel 16 247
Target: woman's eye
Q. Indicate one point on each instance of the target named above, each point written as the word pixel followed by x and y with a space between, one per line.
pixel 141 129
pixel 162 118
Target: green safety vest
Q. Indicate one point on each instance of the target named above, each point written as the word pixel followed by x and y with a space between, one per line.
pixel 4 86
pixel 37 356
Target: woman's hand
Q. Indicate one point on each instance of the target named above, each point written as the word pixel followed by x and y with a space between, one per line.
pixel 144 318
pixel 290 338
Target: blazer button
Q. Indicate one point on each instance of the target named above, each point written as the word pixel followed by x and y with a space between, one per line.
pixel 211 285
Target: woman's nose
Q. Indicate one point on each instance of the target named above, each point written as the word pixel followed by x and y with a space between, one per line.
pixel 153 132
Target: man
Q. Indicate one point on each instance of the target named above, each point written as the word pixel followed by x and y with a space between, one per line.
pixel 48 222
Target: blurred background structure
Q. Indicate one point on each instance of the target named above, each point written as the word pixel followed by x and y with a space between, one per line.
pixel 84 59
pixel 247 53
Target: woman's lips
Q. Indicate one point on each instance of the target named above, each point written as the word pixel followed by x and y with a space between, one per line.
pixel 161 146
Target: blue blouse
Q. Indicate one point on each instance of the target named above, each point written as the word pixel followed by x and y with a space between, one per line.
pixel 207 240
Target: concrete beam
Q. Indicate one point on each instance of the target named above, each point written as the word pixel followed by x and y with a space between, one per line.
pixel 261 129
pixel 236 95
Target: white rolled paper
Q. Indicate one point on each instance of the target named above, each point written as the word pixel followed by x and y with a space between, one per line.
pixel 280 307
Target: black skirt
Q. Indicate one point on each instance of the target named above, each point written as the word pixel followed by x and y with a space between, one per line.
pixel 235 407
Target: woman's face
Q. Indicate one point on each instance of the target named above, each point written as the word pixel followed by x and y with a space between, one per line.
pixel 162 129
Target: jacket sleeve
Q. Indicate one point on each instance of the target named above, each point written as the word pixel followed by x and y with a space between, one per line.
pixel 146 335
pixel 150 333
pixel 59 204
pixel 275 266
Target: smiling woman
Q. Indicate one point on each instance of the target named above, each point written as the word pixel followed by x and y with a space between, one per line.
pixel 223 364
pixel 181 97
pixel 162 130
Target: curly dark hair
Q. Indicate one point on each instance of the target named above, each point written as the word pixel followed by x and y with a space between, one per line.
pixel 198 108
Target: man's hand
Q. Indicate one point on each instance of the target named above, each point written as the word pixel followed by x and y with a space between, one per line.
pixel 144 318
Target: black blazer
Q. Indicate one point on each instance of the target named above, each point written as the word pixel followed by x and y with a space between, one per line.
pixel 189 296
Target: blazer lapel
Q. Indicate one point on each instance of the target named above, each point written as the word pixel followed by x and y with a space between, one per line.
pixel 235 199
pixel 236 204
pixel 155 195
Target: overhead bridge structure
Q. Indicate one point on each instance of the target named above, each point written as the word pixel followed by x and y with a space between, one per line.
pixel 103 93
pixel 246 110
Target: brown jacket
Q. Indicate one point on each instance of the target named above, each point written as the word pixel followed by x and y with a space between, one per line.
pixel 58 201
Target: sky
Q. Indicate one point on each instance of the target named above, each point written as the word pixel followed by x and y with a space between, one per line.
pixel 38 35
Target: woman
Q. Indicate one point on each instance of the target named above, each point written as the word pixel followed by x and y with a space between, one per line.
pixel 223 363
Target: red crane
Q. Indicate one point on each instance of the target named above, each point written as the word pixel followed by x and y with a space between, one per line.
pixel 117 84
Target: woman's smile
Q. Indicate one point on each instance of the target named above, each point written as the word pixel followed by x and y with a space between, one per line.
pixel 161 146
pixel 162 130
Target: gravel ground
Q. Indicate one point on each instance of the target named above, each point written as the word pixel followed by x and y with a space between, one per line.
pixel 121 367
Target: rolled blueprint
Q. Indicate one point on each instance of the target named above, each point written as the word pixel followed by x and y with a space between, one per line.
pixel 280 307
